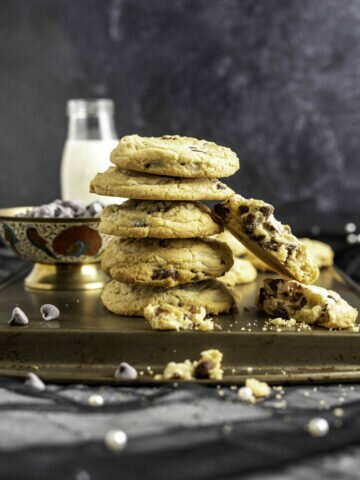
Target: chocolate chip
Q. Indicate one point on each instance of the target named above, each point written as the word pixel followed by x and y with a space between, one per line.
pixel 94 209
pixel 249 221
pixel 162 274
pixel 280 312
pixel 303 302
pixel 273 284
pixel 269 227
pixel 194 149
pixel 220 186
pixel 139 223
pixel 164 243
pixel 202 369
pixel 290 248
pixel 271 245
pixel 125 372
pixel 243 209
pixel 267 210
pixel 257 238
pixel 18 318
pixel 296 296
pixel 169 137
pixel 49 312
pixel 160 310
pixel 262 296
pixel 221 210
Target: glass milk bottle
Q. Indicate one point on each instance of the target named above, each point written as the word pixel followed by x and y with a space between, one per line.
pixel 91 137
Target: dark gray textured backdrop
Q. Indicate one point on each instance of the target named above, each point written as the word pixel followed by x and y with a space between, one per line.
pixel 276 80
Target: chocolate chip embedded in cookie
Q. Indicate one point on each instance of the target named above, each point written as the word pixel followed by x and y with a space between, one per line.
pixel 305 303
pixel 120 183
pixel 175 156
pixel 167 263
pixel 145 218
pixel 130 299
pixel 253 223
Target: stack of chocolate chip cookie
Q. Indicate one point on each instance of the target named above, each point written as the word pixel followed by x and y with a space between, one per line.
pixel 163 253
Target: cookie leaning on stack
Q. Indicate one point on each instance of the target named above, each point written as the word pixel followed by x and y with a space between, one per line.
pixel 162 255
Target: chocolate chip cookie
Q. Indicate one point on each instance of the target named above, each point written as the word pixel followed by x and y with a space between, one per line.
pixel 305 303
pixel 130 299
pixel 253 223
pixel 144 218
pixel 241 272
pixel 115 182
pixel 257 263
pixel 320 252
pixel 237 248
pixel 166 263
pixel 175 156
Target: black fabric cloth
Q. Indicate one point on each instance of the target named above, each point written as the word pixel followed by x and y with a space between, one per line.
pixel 182 432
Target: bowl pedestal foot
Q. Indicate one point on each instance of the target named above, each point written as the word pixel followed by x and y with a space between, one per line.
pixel 65 276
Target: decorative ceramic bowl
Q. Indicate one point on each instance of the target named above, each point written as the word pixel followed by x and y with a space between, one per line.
pixel 59 247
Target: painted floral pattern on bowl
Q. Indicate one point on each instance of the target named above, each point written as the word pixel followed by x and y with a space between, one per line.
pixel 53 241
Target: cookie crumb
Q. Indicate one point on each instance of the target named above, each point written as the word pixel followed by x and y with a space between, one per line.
pixel 207 367
pixel 259 389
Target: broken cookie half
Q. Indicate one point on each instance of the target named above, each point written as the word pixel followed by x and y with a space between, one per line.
pixel 305 303
pixel 253 223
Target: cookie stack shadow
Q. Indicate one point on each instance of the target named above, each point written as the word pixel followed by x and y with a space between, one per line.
pixel 162 252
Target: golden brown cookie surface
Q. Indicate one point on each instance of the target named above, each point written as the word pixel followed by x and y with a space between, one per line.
pixel 130 299
pixel 166 263
pixel 115 182
pixel 175 156
pixel 162 219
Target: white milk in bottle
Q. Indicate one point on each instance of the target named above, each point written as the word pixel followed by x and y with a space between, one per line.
pixel 90 139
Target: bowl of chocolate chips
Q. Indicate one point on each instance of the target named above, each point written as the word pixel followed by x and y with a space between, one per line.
pixel 63 241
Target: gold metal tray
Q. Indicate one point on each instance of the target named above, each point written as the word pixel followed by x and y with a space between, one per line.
pixel 87 342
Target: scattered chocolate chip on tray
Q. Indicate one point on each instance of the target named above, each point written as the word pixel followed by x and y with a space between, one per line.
pixel 49 312
pixel 18 318
pixel 125 372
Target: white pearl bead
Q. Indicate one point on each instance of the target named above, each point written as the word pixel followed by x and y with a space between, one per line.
pixel 318 427
pixel 95 400
pixel 116 440
pixel 246 395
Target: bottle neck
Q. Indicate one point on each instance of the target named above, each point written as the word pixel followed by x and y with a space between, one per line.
pixel 91 127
